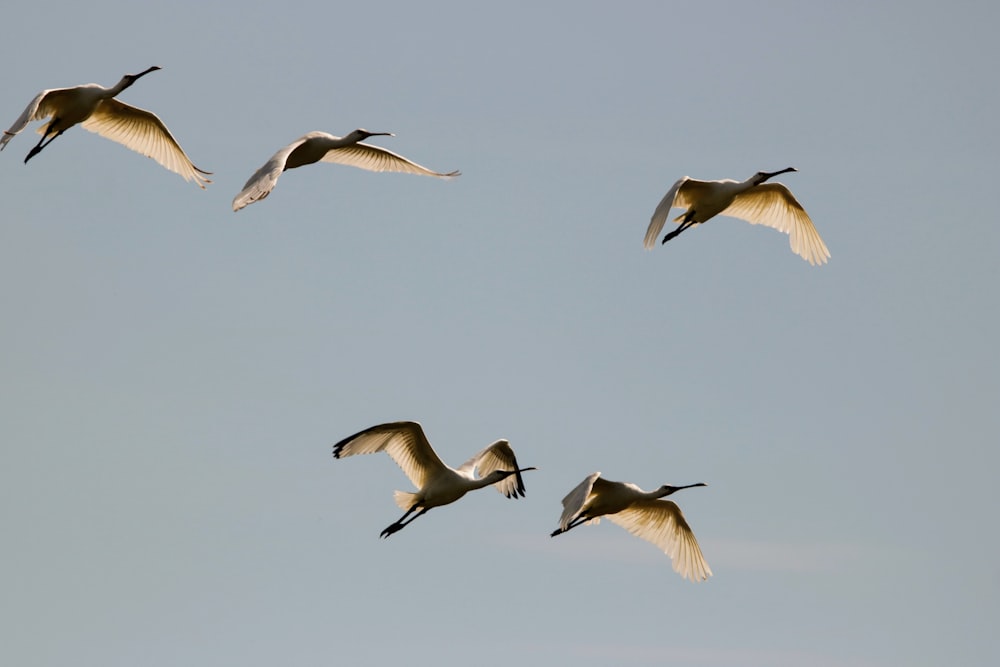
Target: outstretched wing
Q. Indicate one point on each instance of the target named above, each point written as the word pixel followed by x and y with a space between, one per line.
pixel 498 456
pixel 681 194
pixel 574 501
pixel 405 442
pixel 661 522
pixel 374 158
pixel 773 205
pixel 264 179
pixel 143 132
pixel 42 106
pixel 660 215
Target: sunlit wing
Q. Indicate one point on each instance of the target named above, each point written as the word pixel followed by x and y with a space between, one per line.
pixel 773 205
pixel 498 456
pixel 264 179
pixel 681 194
pixel 40 107
pixel 661 522
pixel 374 158
pixel 660 215
pixel 405 442
pixel 141 131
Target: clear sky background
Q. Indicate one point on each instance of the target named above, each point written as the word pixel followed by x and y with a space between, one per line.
pixel 174 374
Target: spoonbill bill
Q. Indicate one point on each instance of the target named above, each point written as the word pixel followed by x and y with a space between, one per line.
pixel 438 484
pixel 753 200
pixel 323 147
pixel 641 513
pixel 97 110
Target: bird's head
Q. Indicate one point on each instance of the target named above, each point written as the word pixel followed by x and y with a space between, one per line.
pixel 500 475
pixel 360 134
pixel 667 489
pixel 129 79
pixel 143 73
pixel 762 176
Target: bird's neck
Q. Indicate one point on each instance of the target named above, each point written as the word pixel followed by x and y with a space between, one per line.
pixel 491 479
pixel 483 482
pixel 120 86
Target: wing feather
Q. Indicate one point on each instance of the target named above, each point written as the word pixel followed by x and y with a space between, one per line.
pixel 42 106
pixel 576 499
pixel 773 205
pixel 404 441
pixel 662 523
pixel 143 132
pixel 374 158
pixel 660 215
pixel 498 456
pixel 264 179
pixel 681 194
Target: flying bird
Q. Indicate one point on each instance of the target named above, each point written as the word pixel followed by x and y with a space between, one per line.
pixel 753 200
pixel 323 147
pixel 437 483
pixel 97 110
pixel 640 513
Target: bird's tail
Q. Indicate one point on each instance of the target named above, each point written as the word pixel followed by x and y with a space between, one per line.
pixel 404 499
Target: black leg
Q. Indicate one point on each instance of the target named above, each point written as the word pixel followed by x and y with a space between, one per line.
pixel 399 525
pixel 571 525
pixel 684 225
pixel 39 146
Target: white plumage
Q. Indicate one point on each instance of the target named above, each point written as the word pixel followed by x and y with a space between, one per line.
pixel 641 513
pixel 323 147
pixel 95 108
pixel 753 200
pixel 437 483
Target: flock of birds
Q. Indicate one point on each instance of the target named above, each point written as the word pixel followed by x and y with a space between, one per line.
pixel 643 513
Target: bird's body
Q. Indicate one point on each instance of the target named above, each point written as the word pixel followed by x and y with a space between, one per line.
pixel 95 108
pixel 438 484
pixel 322 147
pixel 753 200
pixel 643 514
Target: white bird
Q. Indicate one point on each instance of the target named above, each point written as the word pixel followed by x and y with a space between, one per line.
pixel 323 147
pixel 95 108
pixel 438 483
pixel 640 513
pixel 753 200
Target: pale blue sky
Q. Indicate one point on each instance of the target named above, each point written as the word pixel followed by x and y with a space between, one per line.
pixel 175 374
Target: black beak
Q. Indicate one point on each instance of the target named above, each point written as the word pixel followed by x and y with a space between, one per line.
pixel 775 173
pixel 674 489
